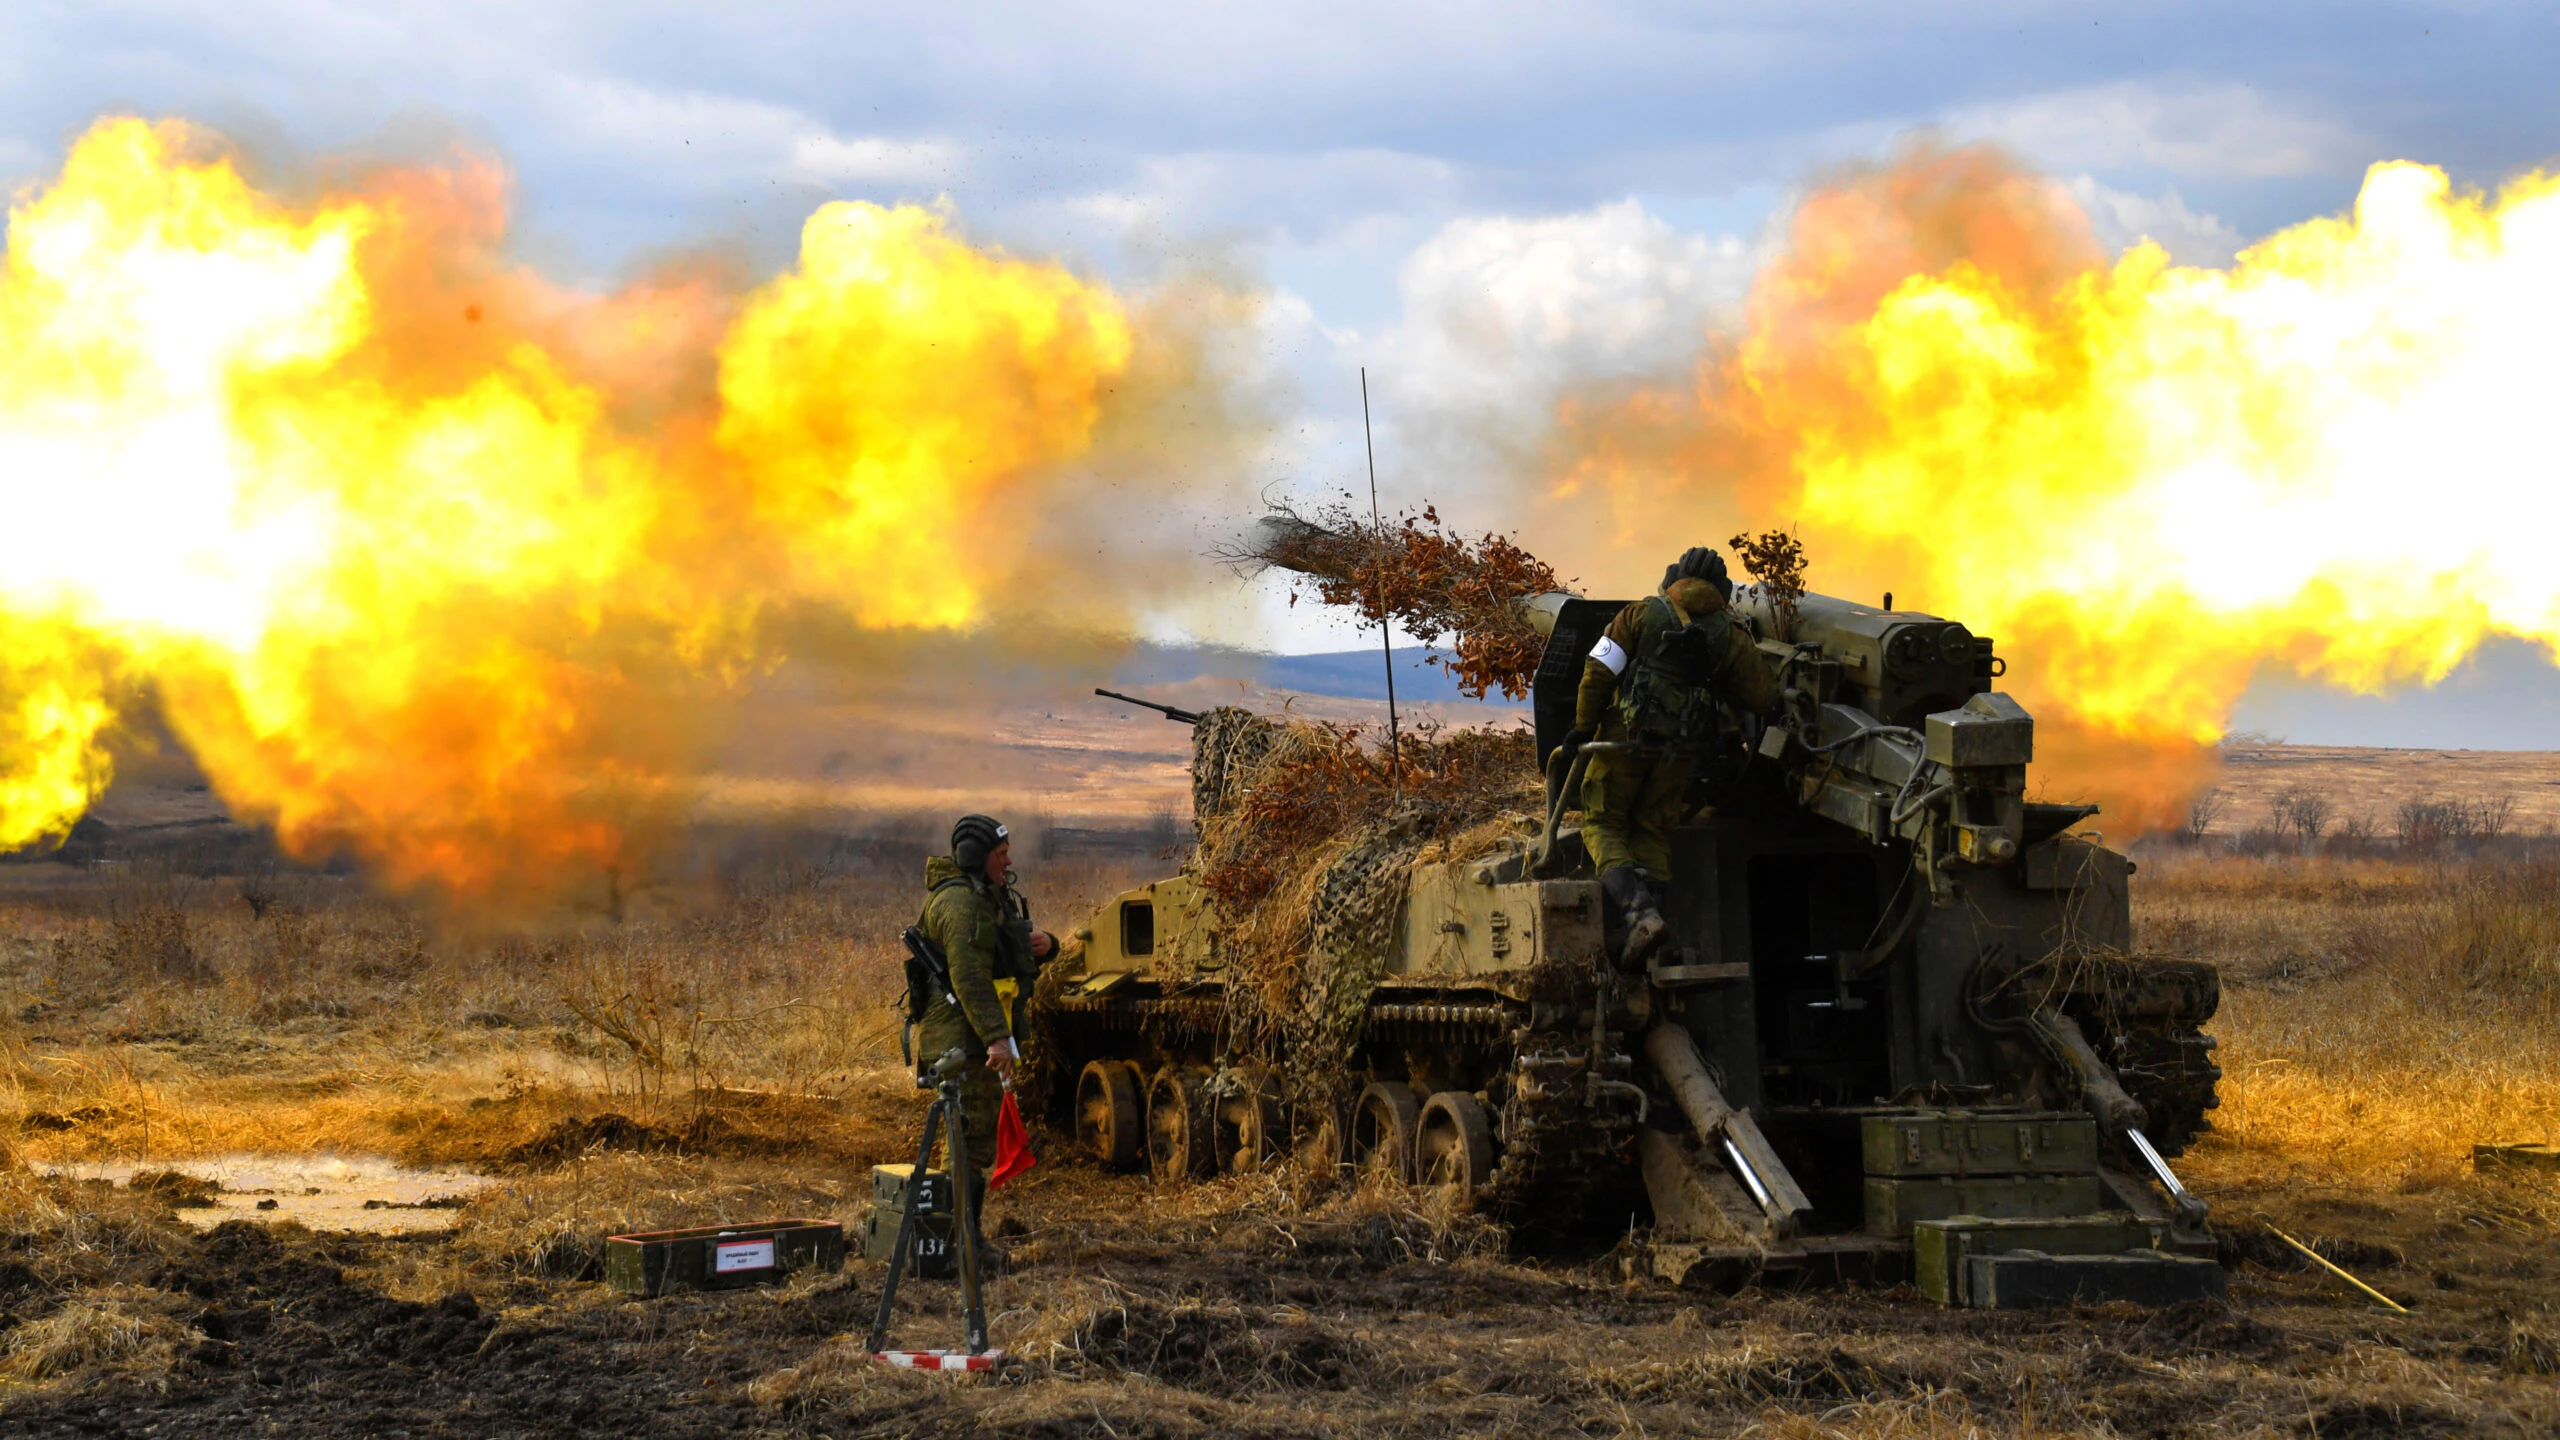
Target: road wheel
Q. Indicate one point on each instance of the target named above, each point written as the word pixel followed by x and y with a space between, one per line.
pixel 1111 1122
pixel 1453 1143
pixel 1324 1141
pixel 1248 1123
pixel 1179 1124
pixel 1382 1127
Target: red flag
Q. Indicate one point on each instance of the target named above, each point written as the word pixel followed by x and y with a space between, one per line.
pixel 1013 1144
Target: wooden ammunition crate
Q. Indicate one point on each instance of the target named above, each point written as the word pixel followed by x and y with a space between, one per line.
pixel 1894 1206
pixel 1958 1142
pixel 720 1257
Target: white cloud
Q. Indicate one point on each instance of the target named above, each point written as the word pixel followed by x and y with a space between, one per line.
pixel 1279 194
pixel 829 158
pixel 2222 131
pixel 715 140
pixel 2123 219
pixel 1498 308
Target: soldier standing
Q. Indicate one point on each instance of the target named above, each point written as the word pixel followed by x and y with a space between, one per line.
pixel 973 913
pixel 1654 680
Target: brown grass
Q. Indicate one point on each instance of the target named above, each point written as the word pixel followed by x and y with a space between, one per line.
pixel 2378 1019
pixel 347 1022
pixel 122 1333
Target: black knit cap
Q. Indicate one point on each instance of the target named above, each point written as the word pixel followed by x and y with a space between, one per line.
pixel 974 839
pixel 1699 562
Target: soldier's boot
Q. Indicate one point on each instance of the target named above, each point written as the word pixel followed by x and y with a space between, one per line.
pixel 1646 926
pixel 990 1259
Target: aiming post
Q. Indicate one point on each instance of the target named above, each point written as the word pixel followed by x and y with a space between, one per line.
pixel 945 1113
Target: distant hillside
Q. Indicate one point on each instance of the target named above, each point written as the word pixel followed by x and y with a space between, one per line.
pixel 2371 785
pixel 1349 674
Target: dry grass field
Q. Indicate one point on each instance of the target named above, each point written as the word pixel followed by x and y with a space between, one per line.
pixel 722 1051
pixel 2364 796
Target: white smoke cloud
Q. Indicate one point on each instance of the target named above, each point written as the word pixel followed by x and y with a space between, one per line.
pixel 1502 315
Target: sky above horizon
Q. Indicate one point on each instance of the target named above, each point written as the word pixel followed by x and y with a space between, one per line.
pixel 1474 201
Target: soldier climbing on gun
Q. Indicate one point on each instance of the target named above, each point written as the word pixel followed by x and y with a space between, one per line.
pixel 1653 684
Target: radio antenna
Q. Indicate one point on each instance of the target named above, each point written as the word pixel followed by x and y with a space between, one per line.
pixel 1386 642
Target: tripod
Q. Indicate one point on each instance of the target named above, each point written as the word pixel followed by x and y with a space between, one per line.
pixel 946 1114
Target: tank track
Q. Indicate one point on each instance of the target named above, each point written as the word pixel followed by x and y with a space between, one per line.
pixel 2152 1034
pixel 1554 1146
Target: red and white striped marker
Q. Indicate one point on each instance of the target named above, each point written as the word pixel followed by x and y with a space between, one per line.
pixel 938 1359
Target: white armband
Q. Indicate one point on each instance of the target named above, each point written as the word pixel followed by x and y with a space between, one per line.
pixel 1610 653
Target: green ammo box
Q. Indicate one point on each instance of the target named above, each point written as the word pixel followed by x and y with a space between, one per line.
pixel 2515 1155
pixel 1958 1142
pixel 1939 1248
pixel 2031 1279
pixel 935 1254
pixel 889 1184
pixel 720 1257
pixel 1894 1206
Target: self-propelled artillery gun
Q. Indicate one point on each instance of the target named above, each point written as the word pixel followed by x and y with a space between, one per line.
pixel 1899 1028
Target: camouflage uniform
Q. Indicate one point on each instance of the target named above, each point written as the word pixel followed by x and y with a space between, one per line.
pixel 984 931
pixel 1631 802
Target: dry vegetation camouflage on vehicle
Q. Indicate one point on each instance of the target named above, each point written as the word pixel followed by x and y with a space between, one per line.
pixel 1898 991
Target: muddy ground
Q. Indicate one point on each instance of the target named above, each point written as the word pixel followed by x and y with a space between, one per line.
pixel 1237 1309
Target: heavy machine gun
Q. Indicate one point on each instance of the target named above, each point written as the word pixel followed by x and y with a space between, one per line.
pixel 1179 717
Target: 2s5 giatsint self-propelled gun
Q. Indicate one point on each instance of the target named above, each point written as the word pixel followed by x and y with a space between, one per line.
pixel 1898 1029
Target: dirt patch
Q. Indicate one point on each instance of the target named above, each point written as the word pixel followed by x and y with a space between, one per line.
pixel 741 1134
pixel 176 1190
pixel 1218 1347
pixel 322 1192
pixel 1152 1311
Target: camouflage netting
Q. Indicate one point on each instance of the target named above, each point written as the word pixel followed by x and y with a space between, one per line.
pixel 1429 579
pixel 1306 839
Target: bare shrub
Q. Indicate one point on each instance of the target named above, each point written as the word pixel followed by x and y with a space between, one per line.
pixel 2201 813
pixel 2433 827
pixel 2489 818
pixel 2430 828
pixel 2302 813
pixel 2354 835
pixel 2259 841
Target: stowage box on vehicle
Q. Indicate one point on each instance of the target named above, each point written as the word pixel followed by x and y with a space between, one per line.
pixel 1958 1142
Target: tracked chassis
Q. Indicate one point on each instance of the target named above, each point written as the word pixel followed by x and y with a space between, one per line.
pixel 1872 928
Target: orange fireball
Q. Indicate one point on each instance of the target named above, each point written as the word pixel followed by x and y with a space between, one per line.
pixel 428 558
pixel 2147 481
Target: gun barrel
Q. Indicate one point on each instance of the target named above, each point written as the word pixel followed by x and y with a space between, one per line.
pixel 1183 717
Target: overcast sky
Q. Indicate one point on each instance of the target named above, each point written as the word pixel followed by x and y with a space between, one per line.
pixel 1586 184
